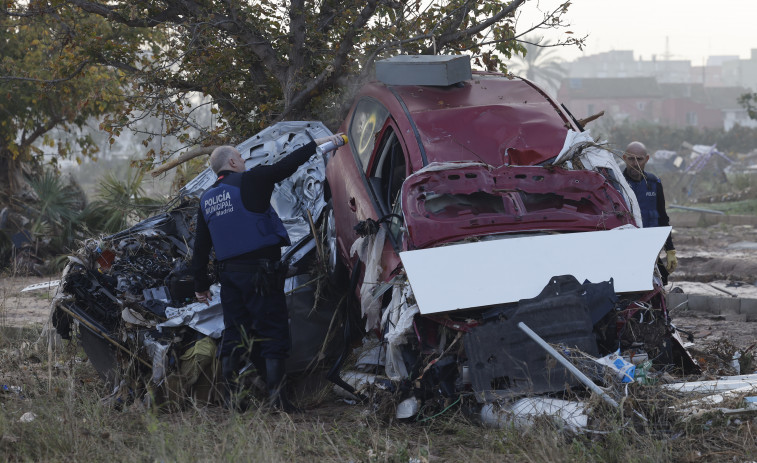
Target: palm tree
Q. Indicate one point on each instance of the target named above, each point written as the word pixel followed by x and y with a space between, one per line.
pixel 120 204
pixel 56 213
pixel 540 64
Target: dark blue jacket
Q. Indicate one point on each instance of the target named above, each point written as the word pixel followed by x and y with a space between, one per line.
pixel 235 230
pixel 646 194
pixel 651 198
pixel 255 189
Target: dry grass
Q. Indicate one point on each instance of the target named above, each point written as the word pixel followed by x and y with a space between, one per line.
pixel 72 425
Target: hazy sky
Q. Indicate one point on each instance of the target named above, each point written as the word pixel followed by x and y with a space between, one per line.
pixel 695 29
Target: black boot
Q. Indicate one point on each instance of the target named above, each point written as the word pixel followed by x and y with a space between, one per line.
pixel 277 397
pixel 229 384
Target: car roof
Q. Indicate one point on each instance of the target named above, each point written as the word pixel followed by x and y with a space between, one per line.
pixel 490 118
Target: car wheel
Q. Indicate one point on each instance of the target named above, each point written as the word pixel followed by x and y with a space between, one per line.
pixel 336 270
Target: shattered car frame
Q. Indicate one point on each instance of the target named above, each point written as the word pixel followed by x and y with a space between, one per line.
pixel 131 294
pixel 434 172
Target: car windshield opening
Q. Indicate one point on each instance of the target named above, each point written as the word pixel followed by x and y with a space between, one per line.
pixel 459 204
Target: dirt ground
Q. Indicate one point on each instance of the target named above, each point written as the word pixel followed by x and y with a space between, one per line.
pixel 20 309
pixel 719 260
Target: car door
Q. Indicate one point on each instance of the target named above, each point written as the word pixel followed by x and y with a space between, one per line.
pixel 346 172
pixel 365 176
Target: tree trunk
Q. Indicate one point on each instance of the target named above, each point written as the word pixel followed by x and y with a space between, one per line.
pixel 12 181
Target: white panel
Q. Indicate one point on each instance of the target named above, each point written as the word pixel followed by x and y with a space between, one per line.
pixel 478 274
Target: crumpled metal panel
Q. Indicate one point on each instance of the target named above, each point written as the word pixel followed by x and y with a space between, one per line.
pixel 505 121
pixel 451 201
pixel 204 318
pixel 581 147
pixel 504 362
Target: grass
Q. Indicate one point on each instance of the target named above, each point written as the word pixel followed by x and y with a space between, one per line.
pixel 71 424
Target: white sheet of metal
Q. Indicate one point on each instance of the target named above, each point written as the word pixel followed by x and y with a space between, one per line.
pixel 464 276
pixel 45 285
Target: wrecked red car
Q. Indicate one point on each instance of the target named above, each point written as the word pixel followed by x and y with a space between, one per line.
pixel 465 207
pixel 462 206
pixel 504 129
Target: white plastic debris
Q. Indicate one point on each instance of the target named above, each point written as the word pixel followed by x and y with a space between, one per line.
pixel 408 408
pixel 735 362
pixel 358 380
pixel 369 250
pixel 521 414
pixel 28 417
pixel 135 318
pixel 725 383
pixel 398 322
pixel 159 354
pixel 44 285
pixel 714 399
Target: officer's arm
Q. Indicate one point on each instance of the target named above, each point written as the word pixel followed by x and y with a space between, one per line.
pixel 287 166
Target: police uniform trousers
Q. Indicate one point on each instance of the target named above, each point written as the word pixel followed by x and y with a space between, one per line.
pixel 250 310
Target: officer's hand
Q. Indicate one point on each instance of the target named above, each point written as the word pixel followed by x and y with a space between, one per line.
pixel 204 296
pixel 335 138
pixel 672 263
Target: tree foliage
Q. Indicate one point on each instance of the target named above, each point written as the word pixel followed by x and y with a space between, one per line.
pixel 254 63
pixel 48 80
pixel 749 102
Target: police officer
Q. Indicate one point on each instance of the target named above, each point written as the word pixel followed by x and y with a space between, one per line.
pixel 648 190
pixel 236 218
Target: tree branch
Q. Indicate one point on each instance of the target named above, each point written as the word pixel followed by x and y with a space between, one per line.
pixel 296 45
pixel 476 28
pixel 170 14
pixel 184 157
pixel 330 73
pixel 76 73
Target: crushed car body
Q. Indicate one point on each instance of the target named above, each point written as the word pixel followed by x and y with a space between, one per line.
pixel 455 213
pixel 469 207
pixel 132 294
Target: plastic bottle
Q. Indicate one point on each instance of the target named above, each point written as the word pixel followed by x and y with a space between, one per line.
pixel 624 371
pixel 330 145
pixel 642 372
pixel 735 362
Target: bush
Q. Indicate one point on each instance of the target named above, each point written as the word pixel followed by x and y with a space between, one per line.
pixel 656 137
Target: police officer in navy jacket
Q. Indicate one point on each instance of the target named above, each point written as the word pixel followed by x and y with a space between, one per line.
pixel 648 189
pixel 235 218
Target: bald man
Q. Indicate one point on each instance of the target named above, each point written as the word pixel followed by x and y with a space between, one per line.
pixel 648 189
pixel 236 218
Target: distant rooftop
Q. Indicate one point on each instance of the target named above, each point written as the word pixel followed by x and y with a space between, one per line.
pixel 612 87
